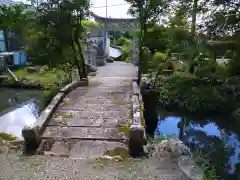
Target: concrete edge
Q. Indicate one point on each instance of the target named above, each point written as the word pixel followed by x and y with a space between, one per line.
pixel 32 134
pixel 136 130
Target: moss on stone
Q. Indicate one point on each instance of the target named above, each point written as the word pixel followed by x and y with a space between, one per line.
pixel 63 116
pixel 67 101
pixel 118 151
pixel 124 129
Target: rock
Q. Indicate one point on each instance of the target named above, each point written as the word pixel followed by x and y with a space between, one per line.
pixel 118 158
pixel 2 142
pixel 32 69
pixel 176 147
pixel 136 140
pixel 44 69
pixel 91 68
pixel 189 167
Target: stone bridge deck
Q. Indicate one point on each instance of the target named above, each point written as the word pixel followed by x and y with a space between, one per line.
pixel 85 123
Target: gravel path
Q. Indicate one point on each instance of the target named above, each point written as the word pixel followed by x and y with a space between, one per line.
pixel 82 140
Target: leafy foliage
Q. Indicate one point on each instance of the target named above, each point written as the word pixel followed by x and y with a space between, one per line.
pixel 206 95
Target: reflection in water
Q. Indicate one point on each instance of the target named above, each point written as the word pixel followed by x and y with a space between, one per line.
pixel 14 121
pixel 19 107
pixel 221 145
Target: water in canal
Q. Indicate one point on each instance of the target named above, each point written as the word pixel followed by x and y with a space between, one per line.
pixel 19 108
pixel 217 138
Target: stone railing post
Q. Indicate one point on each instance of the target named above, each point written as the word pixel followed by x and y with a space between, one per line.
pixel 136 131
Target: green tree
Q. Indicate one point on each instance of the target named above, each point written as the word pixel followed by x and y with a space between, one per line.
pixel 16 19
pixel 62 22
pixel 146 11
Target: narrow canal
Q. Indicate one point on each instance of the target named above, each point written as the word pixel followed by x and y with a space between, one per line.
pixel 18 108
pixel 217 139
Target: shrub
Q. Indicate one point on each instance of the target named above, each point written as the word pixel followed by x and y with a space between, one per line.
pixel 159 57
pixel 146 64
pixel 110 60
pixel 205 68
pixel 127 60
pixel 234 66
pixel 199 95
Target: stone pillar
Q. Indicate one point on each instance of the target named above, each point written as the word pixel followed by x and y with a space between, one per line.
pixel 32 138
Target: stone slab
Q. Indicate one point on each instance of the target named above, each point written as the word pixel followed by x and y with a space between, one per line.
pixel 59 148
pixel 82 132
pixel 91 149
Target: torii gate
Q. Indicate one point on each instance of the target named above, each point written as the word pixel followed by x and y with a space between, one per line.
pixel 122 25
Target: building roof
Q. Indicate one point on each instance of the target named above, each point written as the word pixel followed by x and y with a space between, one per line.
pixel 9 2
pixel 103 19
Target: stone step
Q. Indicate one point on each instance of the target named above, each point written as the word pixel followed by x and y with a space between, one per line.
pixel 82 133
pixel 89 119
pixel 92 149
pixel 90 107
pixel 78 149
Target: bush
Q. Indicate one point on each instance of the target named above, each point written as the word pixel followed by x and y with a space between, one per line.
pixel 205 68
pixel 109 60
pixel 44 79
pixel 146 64
pixel 199 95
pixel 234 66
pixel 159 57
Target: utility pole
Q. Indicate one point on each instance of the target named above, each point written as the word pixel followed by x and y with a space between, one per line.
pixel 105 32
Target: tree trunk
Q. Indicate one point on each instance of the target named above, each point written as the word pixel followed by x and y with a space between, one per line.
pixel 194 17
pixel 83 66
pixel 77 35
pixel 75 57
pixel 181 129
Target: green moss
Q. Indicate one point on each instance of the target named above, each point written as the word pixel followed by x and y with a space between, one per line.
pixel 67 101
pixel 118 151
pixel 7 137
pixel 123 102
pixel 124 129
pixel 67 116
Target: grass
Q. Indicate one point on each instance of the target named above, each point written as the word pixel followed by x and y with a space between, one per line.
pixel 46 79
pixel 7 137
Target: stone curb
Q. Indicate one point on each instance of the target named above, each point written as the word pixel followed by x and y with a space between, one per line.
pixel 136 130
pixel 32 134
